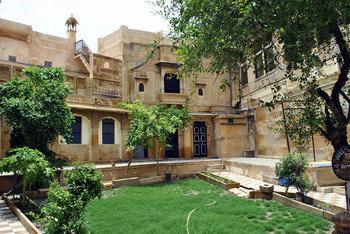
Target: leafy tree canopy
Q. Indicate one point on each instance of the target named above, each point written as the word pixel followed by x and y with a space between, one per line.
pixel 153 123
pixel 35 107
pixel 218 35
pixel 30 163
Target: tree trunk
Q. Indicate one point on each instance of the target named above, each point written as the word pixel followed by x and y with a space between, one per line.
pixel 313 147
pixel 157 156
pixel 128 167
pixel 335 120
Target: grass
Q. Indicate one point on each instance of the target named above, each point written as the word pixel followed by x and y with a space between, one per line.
pixel 164 209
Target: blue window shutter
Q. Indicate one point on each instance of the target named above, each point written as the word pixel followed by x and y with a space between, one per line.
pixel 76 131
pixel 108 131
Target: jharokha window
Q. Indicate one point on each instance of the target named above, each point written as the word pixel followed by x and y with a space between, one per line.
pixel 76 130
pixel 171 84
pixel 264 60
pixel 108 129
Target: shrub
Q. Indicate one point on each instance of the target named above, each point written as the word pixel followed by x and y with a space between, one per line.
pixel 30 163
pixel 64 209
pixel 292 169
pixel 84 182
pixel 63 213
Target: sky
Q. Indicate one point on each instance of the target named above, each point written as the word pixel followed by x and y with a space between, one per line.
pixel 97 18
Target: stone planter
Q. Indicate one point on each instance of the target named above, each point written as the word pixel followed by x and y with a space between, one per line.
pixel 303 198
pixel 217 182
pixel 266 188
pixel 133 181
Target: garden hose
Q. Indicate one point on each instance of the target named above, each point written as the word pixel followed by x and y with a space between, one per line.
pixel 189 215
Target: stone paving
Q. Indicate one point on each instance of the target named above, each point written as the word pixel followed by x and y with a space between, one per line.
pixel 9 224
pixel 335 199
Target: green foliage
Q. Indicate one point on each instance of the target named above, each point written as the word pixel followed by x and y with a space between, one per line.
pixel 219 35
pixel 292 168
pixel 63 213
pixel 304 118
pixel 64 209
pixel 28 162
pixel 153 123
pixel 35 108
pixel 84 181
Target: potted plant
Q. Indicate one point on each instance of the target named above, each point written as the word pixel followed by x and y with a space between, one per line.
pixel 291 170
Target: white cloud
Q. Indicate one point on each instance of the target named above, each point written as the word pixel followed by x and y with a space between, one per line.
pixel 96 18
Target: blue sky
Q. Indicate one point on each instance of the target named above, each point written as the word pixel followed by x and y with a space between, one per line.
pixel 96 18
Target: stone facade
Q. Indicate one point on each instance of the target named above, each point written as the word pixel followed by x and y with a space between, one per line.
pixel 118 72
pixel 268 143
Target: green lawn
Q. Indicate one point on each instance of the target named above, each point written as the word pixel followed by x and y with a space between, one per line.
pixel 164 209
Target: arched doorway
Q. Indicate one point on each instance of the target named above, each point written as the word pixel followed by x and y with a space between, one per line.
pixel 200 146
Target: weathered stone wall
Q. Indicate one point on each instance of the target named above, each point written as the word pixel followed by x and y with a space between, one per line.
pixel 93 150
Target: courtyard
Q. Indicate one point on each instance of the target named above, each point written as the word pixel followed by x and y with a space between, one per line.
pixel 164 208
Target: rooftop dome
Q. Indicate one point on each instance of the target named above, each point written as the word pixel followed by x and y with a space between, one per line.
pixel 71 23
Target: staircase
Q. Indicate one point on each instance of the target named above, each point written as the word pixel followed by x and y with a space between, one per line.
pixel 219 167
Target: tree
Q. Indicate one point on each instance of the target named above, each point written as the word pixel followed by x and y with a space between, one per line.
pixel 151 126
pixel 306 35
pixel 35 108
pixel 30 163
pixel 302 120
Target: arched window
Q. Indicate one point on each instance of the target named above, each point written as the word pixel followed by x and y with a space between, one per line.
pixel 141 87
pixel 108 129
pixel 200 92
pixel 76 130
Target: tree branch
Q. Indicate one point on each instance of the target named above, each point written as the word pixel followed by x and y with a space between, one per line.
pixel 344 68
pixel 348 101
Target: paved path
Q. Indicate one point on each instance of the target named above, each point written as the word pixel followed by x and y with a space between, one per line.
pixel 251 183
pixel 9 224
pixel 335 199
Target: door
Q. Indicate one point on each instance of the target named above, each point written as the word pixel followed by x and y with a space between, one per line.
pixel 200 139
pixel 173 150
pixel 141 152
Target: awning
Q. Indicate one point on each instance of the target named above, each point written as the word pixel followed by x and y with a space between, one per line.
pixel 96 108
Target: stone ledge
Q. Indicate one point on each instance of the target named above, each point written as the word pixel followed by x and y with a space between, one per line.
pixel 302 206
pixel 133 181
pixel 31 228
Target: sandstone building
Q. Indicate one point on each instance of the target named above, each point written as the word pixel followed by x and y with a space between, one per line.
pixel 118 72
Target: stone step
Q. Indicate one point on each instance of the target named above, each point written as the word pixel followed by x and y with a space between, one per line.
pixel 216 167
pixel 339 190
pixel 240 192
pixel 107 184
pixel 331 189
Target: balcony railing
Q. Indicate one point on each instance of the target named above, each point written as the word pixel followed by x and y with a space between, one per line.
pixel 82 48
pixel 107 93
